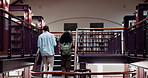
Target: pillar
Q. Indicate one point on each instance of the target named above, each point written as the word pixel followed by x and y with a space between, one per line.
pixel 27 73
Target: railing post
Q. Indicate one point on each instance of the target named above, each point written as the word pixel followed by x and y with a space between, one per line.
pixel 135 49
pixel 31 44
pixel 22 49
pixel 9 53
pixel 123 75
pixel 9 38
pixel 144 53
pixel 76 49
pixel 145 41
pixel 128 51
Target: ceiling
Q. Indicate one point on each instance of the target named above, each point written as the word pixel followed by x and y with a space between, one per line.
pixel 14 2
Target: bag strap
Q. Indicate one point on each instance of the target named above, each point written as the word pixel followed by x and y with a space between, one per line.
pixel 65 43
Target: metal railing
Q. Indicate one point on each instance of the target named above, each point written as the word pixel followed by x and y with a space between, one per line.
pixel 89 74
pixel 22 36
pixel 97 41
pixel 136 39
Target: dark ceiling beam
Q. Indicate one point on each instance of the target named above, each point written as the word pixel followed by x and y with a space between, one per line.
pixel 19 7
pixel 17 1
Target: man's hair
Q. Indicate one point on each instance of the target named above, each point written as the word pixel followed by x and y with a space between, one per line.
pixel 46 28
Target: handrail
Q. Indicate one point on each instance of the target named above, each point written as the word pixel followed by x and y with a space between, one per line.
pixel 112 76
pixel 1 9
pixel 89 31
pixel 57 73
pixel 26 30
pixel 61 32
pixel 75 53
pixel 101 28
pixel 138 23
pixel 86 73
pixel 109 73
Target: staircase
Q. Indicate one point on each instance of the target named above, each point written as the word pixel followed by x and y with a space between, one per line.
pixel 57 65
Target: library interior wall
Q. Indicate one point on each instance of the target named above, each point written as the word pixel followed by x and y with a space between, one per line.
pixel 53 10
pixel 113 67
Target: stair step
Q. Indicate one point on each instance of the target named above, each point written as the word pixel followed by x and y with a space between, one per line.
pixel 58 57
pixel 57 63
pixel 60 65
pixel 61 77
pixel 60 60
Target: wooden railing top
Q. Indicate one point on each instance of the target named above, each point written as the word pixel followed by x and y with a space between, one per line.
pixel 58 73
pixel 90 32
pixel 101 28
pixel 86 73
pixel 60 32
pixel 110 73
pixel 10 14
pixel 101 32
pixel 138 23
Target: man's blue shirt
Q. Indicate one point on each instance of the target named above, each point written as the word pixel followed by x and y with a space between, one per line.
pixel 46 43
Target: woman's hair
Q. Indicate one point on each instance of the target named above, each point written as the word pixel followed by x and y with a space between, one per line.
pixel 66 38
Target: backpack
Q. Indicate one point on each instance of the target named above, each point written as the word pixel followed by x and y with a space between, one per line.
pixel 66 49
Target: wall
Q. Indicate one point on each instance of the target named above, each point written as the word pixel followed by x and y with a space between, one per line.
pixel 143 63
pixel 98 67
pixel 53 10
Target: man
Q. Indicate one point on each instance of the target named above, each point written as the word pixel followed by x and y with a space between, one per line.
pixel 46 43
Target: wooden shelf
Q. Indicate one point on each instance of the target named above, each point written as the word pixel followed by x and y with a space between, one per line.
pixel 91 41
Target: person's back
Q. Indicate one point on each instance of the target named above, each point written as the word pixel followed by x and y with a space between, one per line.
pixel 66 49
pixel 65 40
pixel 46 43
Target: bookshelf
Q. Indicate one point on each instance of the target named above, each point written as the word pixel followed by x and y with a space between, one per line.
pixel 94 41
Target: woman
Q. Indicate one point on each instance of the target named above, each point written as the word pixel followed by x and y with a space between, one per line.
pixel 66 38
